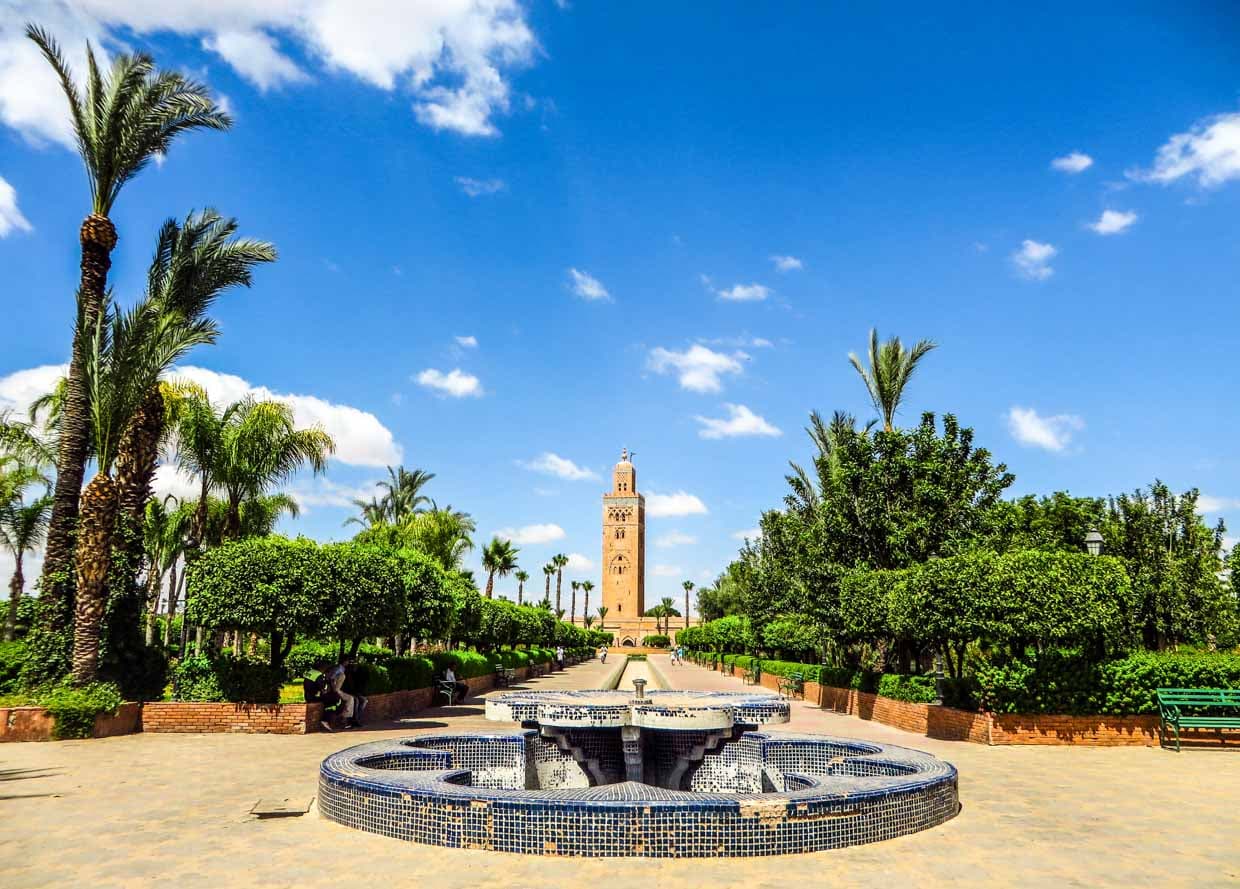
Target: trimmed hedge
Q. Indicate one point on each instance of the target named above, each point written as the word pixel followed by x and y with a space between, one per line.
pixel 12 656
pixel 226 678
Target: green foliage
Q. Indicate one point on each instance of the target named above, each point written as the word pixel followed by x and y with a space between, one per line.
pixel 429 595
pixel 74 708
pixel 794 635
pixel 915 689
pixel 406 673
pixel 226 678
pixel 364 594
pixel 12 656
pixel 656 640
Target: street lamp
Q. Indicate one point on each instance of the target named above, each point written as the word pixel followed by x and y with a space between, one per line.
pixel 1093 542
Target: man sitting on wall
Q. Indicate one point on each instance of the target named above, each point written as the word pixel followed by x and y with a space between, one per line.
pixel 317 690
pixel 461 688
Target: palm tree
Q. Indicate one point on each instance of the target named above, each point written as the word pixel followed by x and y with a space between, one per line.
pixel 572 607
pixel 548 573
pixel 688 585
pixel 124 119
pixel 165 523
pixel 602 616
pixel 585 608
pixel 402 498
pixel 125 355
pixel 373 513
pixel 891 368
pixel 260 447
pixel 559 560
pixel 199 441
pixel 498 557
pixel 522 577
pixel 22 526
pixel 588 620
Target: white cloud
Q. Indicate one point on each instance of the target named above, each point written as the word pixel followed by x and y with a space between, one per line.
pixel 667 571
pixel 1076 162
pixel 361 440
pixel 747 534
pixel 587 286
pixel 32 567
pixel 579 562
pixel 476 188
pixel 787 263
pixel 675 538
pixel 319 492
pixel 677 503
pixel 454 384
pixel 171 479
pixel 755 342
pixel 11 218
pixel 741 422
pixel 454 57
pixel 1112 222
pixel 1033 260
pixel 467 342
pixel 744 293
pixel 698 368
pixel 256 57
pixel 532 533
pixel 1210 505
pixel 561 467
pixel 20 388
pixel 1210 151
pixel 1052 433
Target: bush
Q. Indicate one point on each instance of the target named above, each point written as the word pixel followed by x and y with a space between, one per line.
pixel 656 640
pixel 226 678
pixel 465 664
pixel 914 689
pixel 372 679
pixel 793 635
pixel 12 656
pixel 405 673
pixel 75 708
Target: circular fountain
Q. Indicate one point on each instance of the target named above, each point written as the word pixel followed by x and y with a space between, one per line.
pixel 659 773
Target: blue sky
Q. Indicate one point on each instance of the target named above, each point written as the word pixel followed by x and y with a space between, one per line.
pixel 666 229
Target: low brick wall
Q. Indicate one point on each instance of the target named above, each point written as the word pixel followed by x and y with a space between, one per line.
pixel 36 724
pixel 212 717
pixel 1098 731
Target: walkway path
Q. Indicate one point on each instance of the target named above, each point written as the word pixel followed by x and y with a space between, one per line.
pixel 172 809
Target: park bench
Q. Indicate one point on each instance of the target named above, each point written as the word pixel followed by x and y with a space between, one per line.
pixel 1171 700
pixel 447 689
pixel 505 676
pixel 752 675
pixel 792 685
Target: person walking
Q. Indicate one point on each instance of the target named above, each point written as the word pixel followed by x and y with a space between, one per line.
pixel 336 679
pixel 559 656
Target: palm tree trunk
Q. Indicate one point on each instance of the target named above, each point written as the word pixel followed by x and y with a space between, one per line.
pixel 585 607
pixel 572 606
pixel 490 583
pixel 232 523
pixel 547 590
pixel 153 583
pixel 172 602
pixel 521 592
pixel 98 237
pixel 92 561
pixel 15 597
pixel 559 582
pixel 137 454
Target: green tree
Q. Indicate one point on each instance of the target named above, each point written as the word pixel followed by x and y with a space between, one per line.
pixel 572 601
pixel 586 586
pixel 688 587
pixel 402 496
pixel 522 577
pixel 602 616
pixel 548 572
pixel 498 557
pixel 122 120
pixel 22 526
pixel 560 561
pixel 891 366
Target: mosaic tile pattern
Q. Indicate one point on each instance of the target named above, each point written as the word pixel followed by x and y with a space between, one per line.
pixel 759 795
pixel 659 709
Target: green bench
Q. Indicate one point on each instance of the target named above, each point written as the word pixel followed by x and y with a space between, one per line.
pixel 505 676
pixel 792 685
pixel 752 675
pixel 1172 700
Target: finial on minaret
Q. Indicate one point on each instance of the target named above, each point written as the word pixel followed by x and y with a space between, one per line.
pixel 624 454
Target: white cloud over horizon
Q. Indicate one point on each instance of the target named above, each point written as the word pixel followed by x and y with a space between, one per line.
pixel 1209 151
pixel 454 58
pixel 698 368
pixel 741 422
pixel 1209 504
pixel 1052 433
pixel 1075 162
pixel 549 463
pixel 11 218
pixel 587 286
pixel 1112 222
pixel 454 384
pixel 533 534
pixel 787 263
pixel 674 505
pixel 579 562
pixel 1033 258
pixel 674 538
pixel 742 292
pixel 747 534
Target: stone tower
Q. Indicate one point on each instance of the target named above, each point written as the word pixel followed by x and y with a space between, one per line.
pixel 624 545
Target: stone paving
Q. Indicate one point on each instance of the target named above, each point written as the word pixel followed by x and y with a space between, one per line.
pixel 146 809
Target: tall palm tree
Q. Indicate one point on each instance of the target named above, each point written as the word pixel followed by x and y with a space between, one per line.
pixel 588 620
pixel 602 616
pixel 373 513
pixel 22 526
pixel 522 577
pixel 125 355
pixel 572 607
pixel 498 557
pixel 121 120
pixel 587 586
pixel 891 368
pixel 548 572
pixel 559 560
pixel 688 585
pixel 402 498
pixel 260 448
pixel 165 523
pixel 199 442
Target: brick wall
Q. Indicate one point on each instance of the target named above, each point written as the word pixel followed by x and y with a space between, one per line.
pixel 35 723
pixel 210 717
pixel 1099 731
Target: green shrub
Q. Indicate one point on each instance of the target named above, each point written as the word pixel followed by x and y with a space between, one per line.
pixel 75 708
pixel 793 635
pixel 914 689
pixel 405 673
pixel 12 656
pixel 465 664
pixel 656 640
pixel 226 678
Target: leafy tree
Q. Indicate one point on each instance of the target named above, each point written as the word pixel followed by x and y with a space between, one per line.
pixel 1057 522
pixel 429 599
pixel 723 598
pixel 498 557
pixel 891 366
pixel 363 593
pixel 443 534
pixel 122 120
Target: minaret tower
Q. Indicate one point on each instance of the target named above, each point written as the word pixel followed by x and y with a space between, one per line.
pixel 624 545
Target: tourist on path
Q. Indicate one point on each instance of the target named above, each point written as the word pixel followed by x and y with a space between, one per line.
pixel 461 688
pixel 336 679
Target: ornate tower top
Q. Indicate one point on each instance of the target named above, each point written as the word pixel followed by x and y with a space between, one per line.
pixel 624 476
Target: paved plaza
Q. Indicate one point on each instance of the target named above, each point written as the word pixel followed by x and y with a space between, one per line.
pixel 142 809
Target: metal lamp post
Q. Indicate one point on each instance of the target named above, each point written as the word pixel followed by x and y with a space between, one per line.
pixel 1093 542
